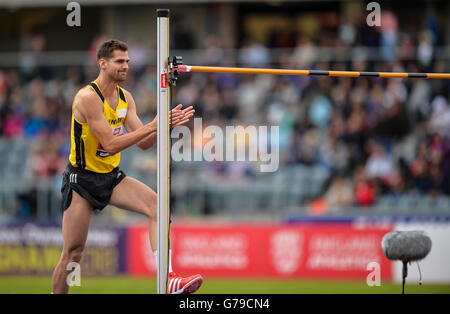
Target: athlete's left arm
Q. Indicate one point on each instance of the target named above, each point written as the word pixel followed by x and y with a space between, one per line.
pixel 132 121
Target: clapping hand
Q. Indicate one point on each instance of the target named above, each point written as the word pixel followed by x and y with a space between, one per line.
pixel 181 116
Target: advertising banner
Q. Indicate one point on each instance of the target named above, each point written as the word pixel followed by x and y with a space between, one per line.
pixel 36 249
pixel 293 250
pixel 255 250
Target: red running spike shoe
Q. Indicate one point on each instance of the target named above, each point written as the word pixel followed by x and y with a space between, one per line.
pixel 181 285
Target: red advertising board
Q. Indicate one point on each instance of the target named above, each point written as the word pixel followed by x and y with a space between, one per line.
pixel 140 258
pixel 265 250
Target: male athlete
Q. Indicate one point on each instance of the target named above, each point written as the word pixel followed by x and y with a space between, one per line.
pixel 92 179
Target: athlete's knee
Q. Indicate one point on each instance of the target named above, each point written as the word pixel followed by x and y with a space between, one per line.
pixel 150 205
pixel 73 254
pixel 151 212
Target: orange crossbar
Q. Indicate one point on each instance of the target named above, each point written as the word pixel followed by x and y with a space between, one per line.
pixel 193 68
pixel 248 70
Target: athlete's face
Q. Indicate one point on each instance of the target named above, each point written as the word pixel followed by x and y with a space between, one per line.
pixel 117 66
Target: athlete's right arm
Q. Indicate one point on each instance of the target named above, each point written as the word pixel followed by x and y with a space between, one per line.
pixel 88 108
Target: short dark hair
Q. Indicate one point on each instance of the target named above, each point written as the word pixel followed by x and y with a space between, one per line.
pixel 107 48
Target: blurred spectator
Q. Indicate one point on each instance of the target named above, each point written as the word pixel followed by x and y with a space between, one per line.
pixel 253 54
pixel 379 164
pixel 44 160
pixel 305 53
pixel 439 121
pixel 364 191
pixel 32 60
pixel 397 182
pixel 340 194
pixel 213 53
pixel 334 155
pixel 347 33
pixel 389 34
pixel 425 50
pixel 418 169
pixel 96 42
pixel 138 56
pixel 13 124
pixel 320 112
pixel 309 148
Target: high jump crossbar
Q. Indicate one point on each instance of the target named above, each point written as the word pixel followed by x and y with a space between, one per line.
pixel 193 68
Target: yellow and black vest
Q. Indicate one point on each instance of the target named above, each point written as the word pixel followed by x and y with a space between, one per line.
pixel 86 151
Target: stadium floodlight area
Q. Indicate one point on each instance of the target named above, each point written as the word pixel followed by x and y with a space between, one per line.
pixel 168 71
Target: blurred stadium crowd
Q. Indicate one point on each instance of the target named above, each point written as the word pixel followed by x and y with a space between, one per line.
pixel 375 138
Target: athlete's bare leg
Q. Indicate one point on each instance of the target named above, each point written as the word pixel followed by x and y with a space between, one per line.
pixel 75 227
pixel 134 195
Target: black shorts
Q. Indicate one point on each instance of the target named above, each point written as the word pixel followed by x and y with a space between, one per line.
pixel 95 187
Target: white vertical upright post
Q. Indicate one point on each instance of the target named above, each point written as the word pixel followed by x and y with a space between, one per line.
pixel 163 188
